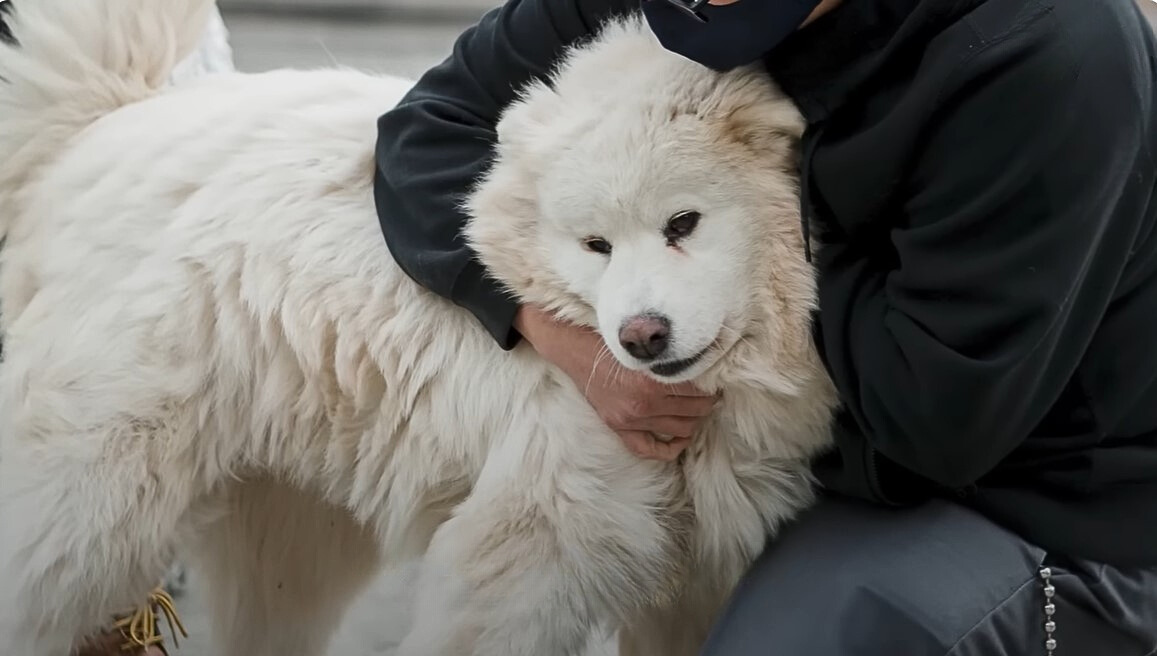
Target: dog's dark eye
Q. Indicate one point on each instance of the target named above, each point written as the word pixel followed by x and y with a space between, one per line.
pixel 681 225
pixel 597 245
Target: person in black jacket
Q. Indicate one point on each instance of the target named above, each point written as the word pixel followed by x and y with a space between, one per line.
pixel 979 178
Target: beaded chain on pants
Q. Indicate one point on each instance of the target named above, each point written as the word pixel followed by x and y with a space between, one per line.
pixel 1046 576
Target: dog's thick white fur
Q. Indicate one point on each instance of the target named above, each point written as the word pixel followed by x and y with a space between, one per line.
pixel 208 344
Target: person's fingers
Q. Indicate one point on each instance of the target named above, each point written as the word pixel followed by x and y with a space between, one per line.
pixel 637 442
pixel 679 406
pixel 685 389
pixel 644 445
pixel 675 426
pixel 668 451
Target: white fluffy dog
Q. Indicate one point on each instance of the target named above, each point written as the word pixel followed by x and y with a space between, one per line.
pixel 208 344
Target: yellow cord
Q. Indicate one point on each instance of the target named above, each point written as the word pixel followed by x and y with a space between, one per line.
pixel 139 629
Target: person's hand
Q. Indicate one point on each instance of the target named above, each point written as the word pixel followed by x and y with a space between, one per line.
pixel 654 420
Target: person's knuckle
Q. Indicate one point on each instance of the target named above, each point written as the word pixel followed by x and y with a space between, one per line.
pixel 638 405
pixel 629 416
pixel 612 416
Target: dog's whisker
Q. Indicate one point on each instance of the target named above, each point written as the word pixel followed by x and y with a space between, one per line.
pixel 603 352
pixel 740 338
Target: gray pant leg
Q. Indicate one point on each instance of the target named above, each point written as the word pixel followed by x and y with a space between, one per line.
pixel 850 579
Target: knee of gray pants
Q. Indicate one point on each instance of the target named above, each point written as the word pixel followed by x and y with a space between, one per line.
pixel 849 579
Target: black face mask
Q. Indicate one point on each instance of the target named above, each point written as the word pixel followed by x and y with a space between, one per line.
pixel 732 35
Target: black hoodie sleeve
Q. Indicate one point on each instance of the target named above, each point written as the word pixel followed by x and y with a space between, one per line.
pixel 953 344
pixel 438 140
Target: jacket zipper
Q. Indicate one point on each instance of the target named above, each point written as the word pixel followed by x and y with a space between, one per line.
pixel 873 471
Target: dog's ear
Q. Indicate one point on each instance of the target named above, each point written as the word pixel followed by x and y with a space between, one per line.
pixel 504 202
pixel 527 127
pixel 503 205
pixel 771 130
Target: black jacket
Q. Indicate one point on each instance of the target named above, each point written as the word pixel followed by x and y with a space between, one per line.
pixel 980 175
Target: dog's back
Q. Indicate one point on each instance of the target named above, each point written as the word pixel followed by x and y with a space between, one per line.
pixel 60 74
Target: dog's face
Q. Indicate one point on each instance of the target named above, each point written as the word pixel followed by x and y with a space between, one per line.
pixel 650 226
pixel 657 203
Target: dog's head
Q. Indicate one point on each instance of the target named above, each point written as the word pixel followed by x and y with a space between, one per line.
pixel 655 200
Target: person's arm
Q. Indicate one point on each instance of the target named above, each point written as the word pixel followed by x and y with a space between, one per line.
pixel 434 145
pixel 1023 207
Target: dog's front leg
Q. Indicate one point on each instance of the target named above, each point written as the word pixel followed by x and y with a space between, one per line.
pixel 565 531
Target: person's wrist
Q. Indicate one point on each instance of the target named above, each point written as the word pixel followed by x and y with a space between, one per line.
pixel 528 323
pixel 549 337
pixel 539 329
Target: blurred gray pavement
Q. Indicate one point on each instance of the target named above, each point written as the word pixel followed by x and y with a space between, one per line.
pixel 402 44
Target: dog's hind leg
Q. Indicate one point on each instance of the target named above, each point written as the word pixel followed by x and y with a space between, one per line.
pixel 280 568
pixel 564 531
pixel 86 531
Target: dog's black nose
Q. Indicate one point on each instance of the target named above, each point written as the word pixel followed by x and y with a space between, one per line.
pixel 645 336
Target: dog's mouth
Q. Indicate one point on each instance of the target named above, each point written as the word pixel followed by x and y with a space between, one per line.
pixel 676 367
